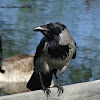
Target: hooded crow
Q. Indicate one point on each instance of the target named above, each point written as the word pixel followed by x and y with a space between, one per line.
pixel 56 50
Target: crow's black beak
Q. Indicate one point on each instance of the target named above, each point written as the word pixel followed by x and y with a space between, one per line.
pixel 37 29
pixel 41 28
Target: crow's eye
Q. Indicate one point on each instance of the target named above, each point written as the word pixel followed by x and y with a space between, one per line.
pixel 50 26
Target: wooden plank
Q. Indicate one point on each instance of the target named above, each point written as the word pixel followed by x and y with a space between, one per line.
pixel 80 91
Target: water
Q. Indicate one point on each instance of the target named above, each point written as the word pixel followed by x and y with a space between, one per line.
pixel 82 18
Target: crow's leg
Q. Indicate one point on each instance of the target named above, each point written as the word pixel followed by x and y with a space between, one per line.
pixel 60 88
pixel 44 88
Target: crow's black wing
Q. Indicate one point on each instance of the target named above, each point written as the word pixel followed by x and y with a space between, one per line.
pixel 34 82
pixel 40 49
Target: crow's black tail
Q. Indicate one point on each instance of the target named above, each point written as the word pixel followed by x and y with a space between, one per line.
pixel 2 71
pixel 35 84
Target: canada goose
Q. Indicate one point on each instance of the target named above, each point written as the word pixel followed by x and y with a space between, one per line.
pixel 18 70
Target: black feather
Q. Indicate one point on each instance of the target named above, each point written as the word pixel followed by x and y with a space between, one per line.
pixel 58 51
pixel 34 82
pixel 74 56
pixel 40 48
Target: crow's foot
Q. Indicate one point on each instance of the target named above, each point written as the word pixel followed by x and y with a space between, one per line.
pixel 47 91
pixel 60 89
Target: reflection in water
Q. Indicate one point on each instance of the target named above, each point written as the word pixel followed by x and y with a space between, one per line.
pixel 82 19
pixel 88 2
pixel 79 75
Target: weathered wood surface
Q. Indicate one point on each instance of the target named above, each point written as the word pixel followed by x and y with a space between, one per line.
pixel 80 91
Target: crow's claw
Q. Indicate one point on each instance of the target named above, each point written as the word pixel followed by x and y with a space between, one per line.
pixel 47 91
pixel 60 89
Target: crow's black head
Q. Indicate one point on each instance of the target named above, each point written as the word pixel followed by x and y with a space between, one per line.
pixel 50 30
